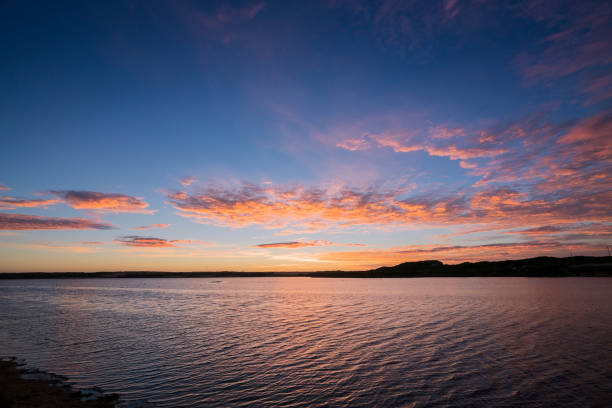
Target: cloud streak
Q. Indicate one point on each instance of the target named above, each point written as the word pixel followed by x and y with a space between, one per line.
pixel 152 226
pixel 10 203
pixel 150 242
pixel 187 181
pixel 303 244
pixel 34 222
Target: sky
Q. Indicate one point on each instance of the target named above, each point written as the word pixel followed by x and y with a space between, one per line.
pixel 287 136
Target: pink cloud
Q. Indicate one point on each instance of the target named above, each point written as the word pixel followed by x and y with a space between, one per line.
pixel 354 144
pixel 187 181
pixel 34 222
pixel 435 143
pixel 152 226
pixel 444 132
pixel 303 244
pixel 4 188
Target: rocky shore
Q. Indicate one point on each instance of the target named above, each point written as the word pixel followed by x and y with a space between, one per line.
pixel 21 388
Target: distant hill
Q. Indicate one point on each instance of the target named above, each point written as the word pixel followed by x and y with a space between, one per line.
pixel 532 267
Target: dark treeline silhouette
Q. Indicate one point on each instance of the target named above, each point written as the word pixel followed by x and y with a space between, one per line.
pixel 531 267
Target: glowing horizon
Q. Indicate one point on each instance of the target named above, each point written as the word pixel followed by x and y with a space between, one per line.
pixel 264 136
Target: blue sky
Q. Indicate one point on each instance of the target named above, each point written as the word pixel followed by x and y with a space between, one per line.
pixel 348 134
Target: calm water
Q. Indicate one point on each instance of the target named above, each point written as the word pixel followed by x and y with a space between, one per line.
pixel 297 342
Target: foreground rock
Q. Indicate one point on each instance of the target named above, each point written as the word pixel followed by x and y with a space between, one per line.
pixel 17 392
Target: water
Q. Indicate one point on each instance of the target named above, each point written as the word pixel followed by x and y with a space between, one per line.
pixel 297 342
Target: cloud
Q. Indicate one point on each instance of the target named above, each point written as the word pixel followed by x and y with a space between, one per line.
pixel 435 143
pixel 92 242
pixel 9 203
pixel 405 27
pixel 573 155
pixel 34 222
pixel 187 181
pixel 4 188
pixel 335 207
pixel 146 227
pixel 354 144
pixel 578 232
pixel 282 206
pixel 579 46
pixel 150 242
pixel 224 25
pixel 562 170
pixel 303 244
pixel 111 202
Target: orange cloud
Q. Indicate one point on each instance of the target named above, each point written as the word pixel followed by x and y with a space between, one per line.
pixel 145 227
pixel 150 242
pixel 34 222
pixel 315 209
pixel 278 207
pixel 91 200
pixel 9 203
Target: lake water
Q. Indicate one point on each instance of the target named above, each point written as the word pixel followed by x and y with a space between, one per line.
pixel 301 342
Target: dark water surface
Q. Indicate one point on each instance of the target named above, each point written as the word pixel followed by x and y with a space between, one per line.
pixel 297 342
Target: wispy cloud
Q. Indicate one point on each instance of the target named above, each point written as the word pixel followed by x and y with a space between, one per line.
pixel 150 242
pixel 34 222
pixel 9 203
pixel 187 181
pixel 152 226
pixel 4 188
pixel 303 244
pixel 435 142
pixel 224 24
pixel 111 202
pixel 580 46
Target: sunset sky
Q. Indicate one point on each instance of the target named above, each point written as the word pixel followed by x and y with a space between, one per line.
pixel 302 135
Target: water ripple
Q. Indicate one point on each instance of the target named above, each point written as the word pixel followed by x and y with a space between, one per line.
pixel 299 342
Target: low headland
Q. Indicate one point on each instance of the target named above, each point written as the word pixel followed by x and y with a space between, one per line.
pixel 530 267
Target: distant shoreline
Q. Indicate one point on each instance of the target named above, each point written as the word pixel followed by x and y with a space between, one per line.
pixel 531 267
